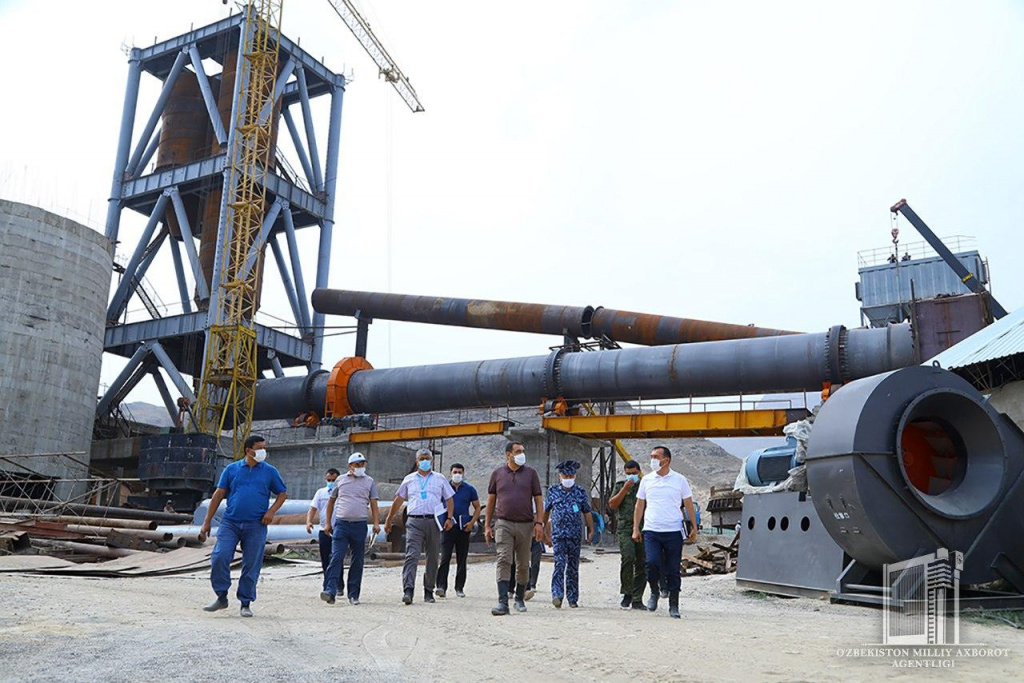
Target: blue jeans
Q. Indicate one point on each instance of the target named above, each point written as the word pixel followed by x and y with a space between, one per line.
pixel 664 551
pixel 346 535
pixel 253 537
pixel 325 559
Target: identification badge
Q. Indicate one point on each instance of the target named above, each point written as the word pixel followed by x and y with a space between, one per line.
pixel 575 507
pixel 423 495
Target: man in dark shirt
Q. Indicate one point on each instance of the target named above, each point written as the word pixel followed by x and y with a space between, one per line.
pixel 248 485
pixel 515 499
pixel 457 538
pixel 632 571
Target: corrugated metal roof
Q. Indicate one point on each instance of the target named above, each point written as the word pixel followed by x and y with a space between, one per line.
pixel 1002 338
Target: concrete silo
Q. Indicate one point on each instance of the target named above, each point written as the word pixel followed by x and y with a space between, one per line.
pixel 54 280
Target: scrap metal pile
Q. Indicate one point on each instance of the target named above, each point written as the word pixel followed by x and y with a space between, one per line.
pixel 717 559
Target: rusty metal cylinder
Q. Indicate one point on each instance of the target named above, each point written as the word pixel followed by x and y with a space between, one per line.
pixel 481 313
pixel 575 321
pixel 184 137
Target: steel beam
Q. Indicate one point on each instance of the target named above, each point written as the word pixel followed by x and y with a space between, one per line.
pixel 261 239
pixel 165 395
pixel 676 425
pixel 190 246
pixel 275 364
pixel 323 266
pixel 124 288
pixel 204 87
pixel 282 80
pixel 296 260
pixel 286 281
pixel 307 119
pixel 154 143
pixel 158 110
pixel 124 143
pixel 179 275
pixel 300 149
pixel 165 362
pixel 434 432
pixel 104 405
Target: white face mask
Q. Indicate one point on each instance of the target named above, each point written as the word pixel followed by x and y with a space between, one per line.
pixel 359 471
pixel 655 465
pixel 520 459
pixel 260 455
pixel 568 483
pixel 456 478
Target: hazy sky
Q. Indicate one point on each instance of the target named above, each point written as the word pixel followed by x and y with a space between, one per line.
pixel 723 161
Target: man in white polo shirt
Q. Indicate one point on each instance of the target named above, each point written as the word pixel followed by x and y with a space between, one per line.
pixel 425 493
pixel 659 503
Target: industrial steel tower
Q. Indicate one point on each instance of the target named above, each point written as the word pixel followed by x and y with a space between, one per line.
pixel 201 117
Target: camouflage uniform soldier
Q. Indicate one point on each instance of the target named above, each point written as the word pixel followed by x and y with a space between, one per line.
pixel 565 506
pixel 631 553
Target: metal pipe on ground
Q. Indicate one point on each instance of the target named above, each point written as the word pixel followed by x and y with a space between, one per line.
pixel 102 521
pixel 144 534
pixel 95 550
pixel 801 362
pixel 11 503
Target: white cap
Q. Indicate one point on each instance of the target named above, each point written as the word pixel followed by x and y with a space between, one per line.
pixel 356 457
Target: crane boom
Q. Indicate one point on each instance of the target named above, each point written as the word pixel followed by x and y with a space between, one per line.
pixel 966 276
pixel 388 68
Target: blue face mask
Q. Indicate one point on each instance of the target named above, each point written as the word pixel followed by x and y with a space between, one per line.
pixel 633 477
pixel 424 465
pixel 330 486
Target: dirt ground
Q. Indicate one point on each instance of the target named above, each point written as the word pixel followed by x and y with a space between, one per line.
pixel 83 629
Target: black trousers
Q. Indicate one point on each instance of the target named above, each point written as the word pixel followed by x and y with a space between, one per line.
pixel 324 541
pixel 457 540
pixel 536 550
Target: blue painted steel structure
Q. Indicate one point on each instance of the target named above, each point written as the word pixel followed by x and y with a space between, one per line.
pixel 175 343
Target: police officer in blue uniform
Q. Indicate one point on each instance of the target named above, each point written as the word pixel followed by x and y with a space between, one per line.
pixel 566 509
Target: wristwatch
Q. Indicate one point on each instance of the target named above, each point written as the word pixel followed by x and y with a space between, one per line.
pixel 536 523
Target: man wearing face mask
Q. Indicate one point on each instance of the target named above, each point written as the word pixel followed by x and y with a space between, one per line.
pixel 457 538
pixel 515 500
pixel 661 497
pixel 565 506
pixel 425 491
pixel 247 484
pixel 632 578
pixel 346 525
pixel 319 505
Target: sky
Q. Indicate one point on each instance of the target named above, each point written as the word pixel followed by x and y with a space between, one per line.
pixel 723 161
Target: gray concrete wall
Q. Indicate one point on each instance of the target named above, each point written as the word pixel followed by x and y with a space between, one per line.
pixel 54 280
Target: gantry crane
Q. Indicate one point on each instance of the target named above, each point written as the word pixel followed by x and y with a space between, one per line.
pixel 230 370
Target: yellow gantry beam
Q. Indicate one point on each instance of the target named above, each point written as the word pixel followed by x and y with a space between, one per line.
pixel 434 432
pixel 676 425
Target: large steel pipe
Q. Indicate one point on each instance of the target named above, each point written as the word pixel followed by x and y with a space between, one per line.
pixel 787 363
pixel 576 321
pixel 491 315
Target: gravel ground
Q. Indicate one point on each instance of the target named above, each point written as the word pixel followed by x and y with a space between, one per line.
pixel 82 629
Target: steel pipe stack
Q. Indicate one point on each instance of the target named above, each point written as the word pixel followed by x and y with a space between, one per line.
pixel 801 362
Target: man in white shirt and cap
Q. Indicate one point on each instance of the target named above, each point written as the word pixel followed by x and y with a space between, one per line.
pixel 423 491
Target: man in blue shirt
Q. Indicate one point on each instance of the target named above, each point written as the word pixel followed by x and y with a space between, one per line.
pixel 248 485
pixel 457 537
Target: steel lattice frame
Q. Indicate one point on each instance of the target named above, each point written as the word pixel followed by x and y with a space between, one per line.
pixel 230 368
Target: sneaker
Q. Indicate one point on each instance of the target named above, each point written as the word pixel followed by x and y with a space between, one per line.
pixel 459 593
pixel 557 602
pixel 440 592
pixel 625 602
pixel 428 595
pixel 639 605
pixel 407 597
pixel 217 605
pixel 245 611
pixel 353 601
pixel 327 597
pixel 528 595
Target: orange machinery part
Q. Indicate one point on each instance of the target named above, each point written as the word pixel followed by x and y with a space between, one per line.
pixel 337 386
